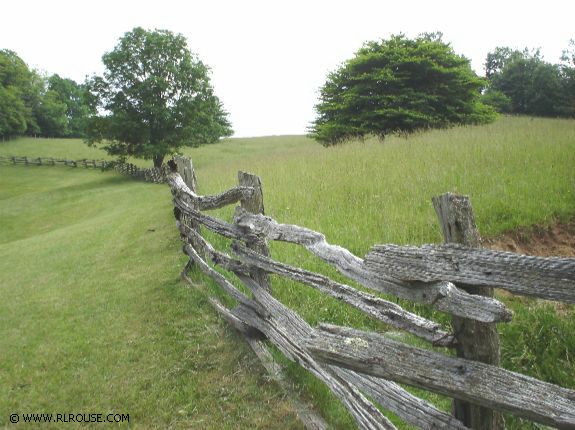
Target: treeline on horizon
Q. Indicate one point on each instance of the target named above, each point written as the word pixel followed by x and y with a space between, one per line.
pixel 515 82
pixel 38 105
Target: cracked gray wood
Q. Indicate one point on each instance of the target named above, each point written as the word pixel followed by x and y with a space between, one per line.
pixel 216 225
pixel 381 309
pixel 255 205
pixel 392 397
pixel 479 383
pixel 254 338
pixel 285 329
pixel 442 295
pixel 475 340
pixel 203 203
pixel 286 321
pixel 547 278
pixel 376 307
pixel 187 172
pixel 365 413
pixel 223 282
pixel 310 419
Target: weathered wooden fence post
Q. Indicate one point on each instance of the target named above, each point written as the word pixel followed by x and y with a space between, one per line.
pixel 476 341
pixel 185 168
pixel 186 171
pixel 255 205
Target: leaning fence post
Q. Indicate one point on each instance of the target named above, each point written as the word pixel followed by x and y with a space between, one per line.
pixel 476 341
pixel 255 205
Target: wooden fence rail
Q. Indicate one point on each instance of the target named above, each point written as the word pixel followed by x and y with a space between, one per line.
pixel 127 169
pixel 363 368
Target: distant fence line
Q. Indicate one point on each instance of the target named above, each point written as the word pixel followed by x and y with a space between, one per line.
pixel 154 175
pixel 364 368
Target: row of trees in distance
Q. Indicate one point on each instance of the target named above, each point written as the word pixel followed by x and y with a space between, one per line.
pixel 33 104
pixel 521 82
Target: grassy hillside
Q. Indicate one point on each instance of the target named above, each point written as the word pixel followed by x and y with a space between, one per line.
pixel 94 319
pixel 89 264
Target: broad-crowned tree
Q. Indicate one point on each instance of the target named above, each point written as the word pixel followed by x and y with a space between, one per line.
pixel 399 85
pixel 154 97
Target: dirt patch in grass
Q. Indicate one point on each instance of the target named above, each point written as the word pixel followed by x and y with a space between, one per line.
pixel 556 240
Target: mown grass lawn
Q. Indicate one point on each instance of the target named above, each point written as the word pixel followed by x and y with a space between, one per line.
pixel 94 319
pixel 90 262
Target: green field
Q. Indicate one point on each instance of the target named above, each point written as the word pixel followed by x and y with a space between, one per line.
pixel 95 319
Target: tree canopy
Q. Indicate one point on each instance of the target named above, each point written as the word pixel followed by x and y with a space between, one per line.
pixel 39 105
pixel 18 96
pixel 73 102
pixel 521 82
pixel 399 85
pixel 155 96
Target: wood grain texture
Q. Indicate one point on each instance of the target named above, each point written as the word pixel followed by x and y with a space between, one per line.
pixel 186 170
pixel 204 203
pixel 479 383
pixel 442 295
pixel 393 398
pixel 376 307
pixel 310 419
pixel 287 331
pixel 255 204
pixel 255 339
pixel 476 340
pixel 383 310
pixel 226 285
pixel 226 229
pixel 546 278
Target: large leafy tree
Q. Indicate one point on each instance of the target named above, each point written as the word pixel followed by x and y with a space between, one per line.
pixel 399 85
pixel 154 97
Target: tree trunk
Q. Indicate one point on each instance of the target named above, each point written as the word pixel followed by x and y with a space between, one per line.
pixel 158 160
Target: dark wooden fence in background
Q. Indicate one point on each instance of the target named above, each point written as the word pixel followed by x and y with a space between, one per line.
pixel 128 169
pixel 364 368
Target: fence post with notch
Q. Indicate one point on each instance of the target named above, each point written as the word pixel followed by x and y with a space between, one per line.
pixel 255 205
pixel 476 340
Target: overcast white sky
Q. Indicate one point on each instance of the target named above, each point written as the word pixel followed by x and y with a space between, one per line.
pixel 269 58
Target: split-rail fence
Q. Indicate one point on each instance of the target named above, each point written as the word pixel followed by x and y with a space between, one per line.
pixel 365 368
pixel 127 169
